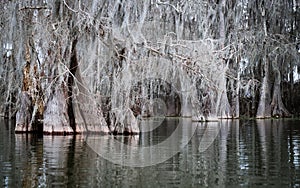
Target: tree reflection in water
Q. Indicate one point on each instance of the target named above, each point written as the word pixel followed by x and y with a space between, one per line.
pixel 250 153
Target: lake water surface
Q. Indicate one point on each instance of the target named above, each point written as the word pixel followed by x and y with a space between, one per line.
pixel 249 153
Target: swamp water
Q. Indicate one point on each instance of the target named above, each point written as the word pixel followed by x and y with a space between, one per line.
pixel 251 153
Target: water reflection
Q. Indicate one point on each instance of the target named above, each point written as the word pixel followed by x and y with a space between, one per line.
pixel 154 147
pixel 243 153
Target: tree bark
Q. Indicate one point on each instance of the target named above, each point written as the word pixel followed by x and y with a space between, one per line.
pixel 223 105
pixel 86 108
pixel 31 97
pixel 264 108
pixel 277 106
pixel 56 119
pixel 24 114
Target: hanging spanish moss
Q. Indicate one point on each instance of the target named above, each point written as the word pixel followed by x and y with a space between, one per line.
pixel 100 66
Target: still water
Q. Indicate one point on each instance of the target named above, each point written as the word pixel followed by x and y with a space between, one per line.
pixel 252 153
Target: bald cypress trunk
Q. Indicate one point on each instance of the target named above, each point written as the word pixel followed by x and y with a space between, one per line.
pixel 264 108
pixel 277 106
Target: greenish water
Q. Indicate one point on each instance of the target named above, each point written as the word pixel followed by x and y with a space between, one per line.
pixel 245 153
